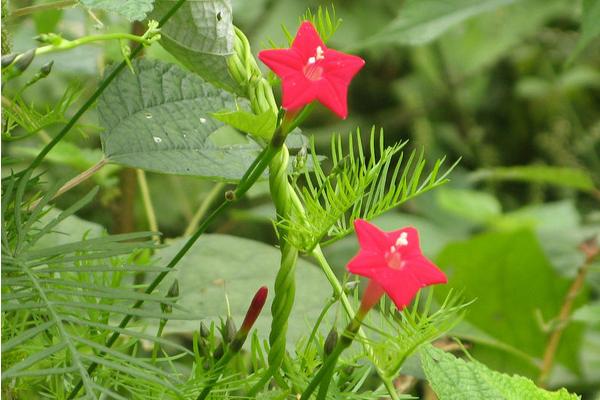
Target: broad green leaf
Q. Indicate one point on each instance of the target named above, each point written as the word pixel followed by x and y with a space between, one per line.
pixel 590 28
pixel 262 125
pixel 479 207
pixel 134 10
pixel 455 379
pixel 421 21
pixel 159 120
pixel 200 35
pixel 559 231
pixel 513 282
pixel 220 265
pixel 559 176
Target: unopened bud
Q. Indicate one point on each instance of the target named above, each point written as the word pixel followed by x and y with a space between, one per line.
pixel 230 330
pixel 331 341
pixel 49 38
pixel 300 160
pixel 350 286
pixel 173 292
pixel 258 302
pixel 203 347
pixel 46 69
pixel 219 351
pixel 204 332
pixel 8 59
pixel 26 58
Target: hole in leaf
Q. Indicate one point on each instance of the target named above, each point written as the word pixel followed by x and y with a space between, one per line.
pixel 219 16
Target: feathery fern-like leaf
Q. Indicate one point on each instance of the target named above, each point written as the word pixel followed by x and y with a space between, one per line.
pixel 359 185
pixel 58 304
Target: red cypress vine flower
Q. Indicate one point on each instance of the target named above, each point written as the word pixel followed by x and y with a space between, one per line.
pixel 394 263
pixel 310 71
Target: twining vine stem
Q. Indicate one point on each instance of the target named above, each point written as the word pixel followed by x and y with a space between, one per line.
pixel 591 250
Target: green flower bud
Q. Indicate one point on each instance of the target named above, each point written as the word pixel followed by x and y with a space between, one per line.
pixel 24 60
pixel 230 330
pixel 46 69
pixel 204 332
pixel 173 292
pixel 8 59
pixel 331 341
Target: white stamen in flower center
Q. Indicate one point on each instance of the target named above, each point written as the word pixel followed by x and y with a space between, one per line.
pixel 402 239
pixel 320 52
pixel 312 60
pixel 393 256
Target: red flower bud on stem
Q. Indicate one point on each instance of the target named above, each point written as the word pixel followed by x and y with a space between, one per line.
pixel 258 302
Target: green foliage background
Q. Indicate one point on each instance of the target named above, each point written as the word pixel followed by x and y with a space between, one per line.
pixel 511 88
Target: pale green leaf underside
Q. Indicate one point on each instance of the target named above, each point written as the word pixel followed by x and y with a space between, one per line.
pixel 421 21
pixel 222 265
pixel 200 36
pixel 455 379
pixel 159 120
pixel 133 10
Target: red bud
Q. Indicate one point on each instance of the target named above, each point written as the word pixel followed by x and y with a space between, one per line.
pixel 258 302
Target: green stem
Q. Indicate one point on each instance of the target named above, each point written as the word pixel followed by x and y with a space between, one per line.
pixel 65 44
pixel 147 200
pixel 328 367
pixel 107 81
pixel 208 200
pixel 70 44
pixel 389 385
pixel 76 180
pixel 20 12
pixel 161 326
pixel 339 291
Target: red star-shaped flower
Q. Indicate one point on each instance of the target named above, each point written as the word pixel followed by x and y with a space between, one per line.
pixel 310 71
pixel 394 262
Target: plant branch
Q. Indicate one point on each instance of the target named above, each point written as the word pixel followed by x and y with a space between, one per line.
pixel 204 206
pixel 591 250
pixel 20 12
pixel 147 200
pixel 75 181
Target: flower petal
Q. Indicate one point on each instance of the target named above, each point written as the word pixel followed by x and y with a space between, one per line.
pixel 284 62
pixel 333 95
pixel 425 272
pixel 399 285
pixel 297 92
pixel 307 40
pixel 371 237
pixel 365 263
pixel 341 65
